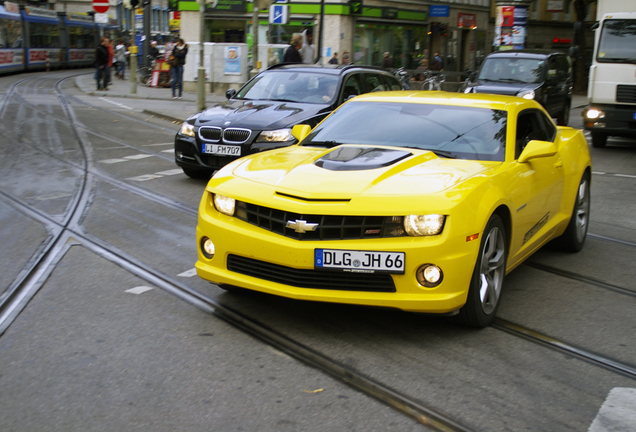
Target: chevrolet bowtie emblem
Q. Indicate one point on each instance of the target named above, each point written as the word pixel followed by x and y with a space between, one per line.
pixel 301 226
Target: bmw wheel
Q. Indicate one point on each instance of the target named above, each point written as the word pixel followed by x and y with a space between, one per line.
pixel 486 284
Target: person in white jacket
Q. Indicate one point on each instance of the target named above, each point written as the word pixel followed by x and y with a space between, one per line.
pixel 121 54
pixel 308 50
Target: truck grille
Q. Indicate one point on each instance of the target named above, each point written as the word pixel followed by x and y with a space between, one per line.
pixel 626 93
pixel 306 278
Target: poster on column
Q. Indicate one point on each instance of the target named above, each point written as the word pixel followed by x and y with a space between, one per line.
pixel 232 61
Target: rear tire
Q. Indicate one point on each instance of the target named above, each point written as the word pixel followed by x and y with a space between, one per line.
pixel 599 139
pixel 484 293
pixel 573 239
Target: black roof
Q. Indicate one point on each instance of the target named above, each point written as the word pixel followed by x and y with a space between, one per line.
pixel 526 53
pixel 328 68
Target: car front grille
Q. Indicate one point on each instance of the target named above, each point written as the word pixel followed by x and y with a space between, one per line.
pixel 328 227
pixel 229 135
pixel 626 93
pixel 316 279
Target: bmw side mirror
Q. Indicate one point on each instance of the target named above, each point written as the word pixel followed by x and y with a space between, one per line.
pixel 230 93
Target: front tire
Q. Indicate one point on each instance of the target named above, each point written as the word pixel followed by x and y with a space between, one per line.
pixel 573 239
pixel 196 174
pixel 599 139
pixel 484 293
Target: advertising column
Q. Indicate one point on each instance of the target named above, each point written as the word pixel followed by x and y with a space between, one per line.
pixel 510 25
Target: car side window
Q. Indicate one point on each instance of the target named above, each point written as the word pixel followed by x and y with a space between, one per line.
pixel 552 68
pixel 390 83
pixel 352 87
pixel 374 83
pixel 532 125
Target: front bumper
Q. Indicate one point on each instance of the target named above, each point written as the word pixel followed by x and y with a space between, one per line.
pixel 234 239
pixel 618 120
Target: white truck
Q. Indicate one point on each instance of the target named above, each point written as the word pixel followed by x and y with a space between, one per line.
pixel 612 84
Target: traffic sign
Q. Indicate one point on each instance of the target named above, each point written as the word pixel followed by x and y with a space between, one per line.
pixel 100 6
pixel 279 14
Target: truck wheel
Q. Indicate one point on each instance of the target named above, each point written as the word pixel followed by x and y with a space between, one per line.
pixel 599 139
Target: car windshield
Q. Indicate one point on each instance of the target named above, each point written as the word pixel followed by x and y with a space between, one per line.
pixel 449 131
pixel 291 86
pixel 514 70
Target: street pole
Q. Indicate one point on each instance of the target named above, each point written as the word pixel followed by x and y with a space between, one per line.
pixel 133 68
pixel 254 70
pixel 147 19
pixel 201 71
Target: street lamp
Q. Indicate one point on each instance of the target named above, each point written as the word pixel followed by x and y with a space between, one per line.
pixel 201 70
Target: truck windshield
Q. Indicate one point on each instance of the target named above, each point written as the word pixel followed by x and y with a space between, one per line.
pixel 617 42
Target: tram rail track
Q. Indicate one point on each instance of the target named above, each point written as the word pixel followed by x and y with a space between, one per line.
pixel 69 233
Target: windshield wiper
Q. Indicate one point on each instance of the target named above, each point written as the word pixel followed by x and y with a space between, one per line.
pixel 511 80
pixel 618 60
pixel 442 153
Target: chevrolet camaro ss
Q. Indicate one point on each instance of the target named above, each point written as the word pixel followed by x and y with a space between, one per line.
pixel 421 201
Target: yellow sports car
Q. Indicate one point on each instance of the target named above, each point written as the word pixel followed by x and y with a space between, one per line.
pixel 420 201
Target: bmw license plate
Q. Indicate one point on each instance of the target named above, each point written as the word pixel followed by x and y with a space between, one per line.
pixel 359 261
pixel 226 150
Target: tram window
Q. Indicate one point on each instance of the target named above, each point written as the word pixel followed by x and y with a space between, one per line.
pixel 10 33
pixel 44 36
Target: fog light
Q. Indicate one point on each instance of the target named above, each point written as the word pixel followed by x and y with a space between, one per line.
pixel 179 155
pixel 207 247
pixel 429 275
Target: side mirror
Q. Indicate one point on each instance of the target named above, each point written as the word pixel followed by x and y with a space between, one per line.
pixel 537 149
pixel 230 93
pixel 301 131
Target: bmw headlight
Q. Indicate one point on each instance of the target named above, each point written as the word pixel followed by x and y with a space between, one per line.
pixel 424 225
pixel 224 204
pixel 279 135
pixel 526 94
pixel 187 129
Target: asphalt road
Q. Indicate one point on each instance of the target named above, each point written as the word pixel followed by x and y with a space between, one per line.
pixel 97 232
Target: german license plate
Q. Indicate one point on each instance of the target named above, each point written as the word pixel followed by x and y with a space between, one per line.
pixel 359 261
pixel 226 150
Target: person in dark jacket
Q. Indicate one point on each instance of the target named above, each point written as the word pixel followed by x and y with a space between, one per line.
pixel 101 64
pixel 180 51
pixel 292 55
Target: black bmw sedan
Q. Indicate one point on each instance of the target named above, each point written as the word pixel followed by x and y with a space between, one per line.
pixel 261 114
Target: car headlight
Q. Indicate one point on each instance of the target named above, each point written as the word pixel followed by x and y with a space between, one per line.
pixel 594 113
pixel 279 135
pixel 526 94
pixel 187 129
pixel 424 225
pixel 224 204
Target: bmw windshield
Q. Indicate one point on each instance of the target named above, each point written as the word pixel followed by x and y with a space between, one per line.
pixel 291 86
pixel 448 131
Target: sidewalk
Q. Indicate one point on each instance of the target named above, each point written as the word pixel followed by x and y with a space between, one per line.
pixel 122 89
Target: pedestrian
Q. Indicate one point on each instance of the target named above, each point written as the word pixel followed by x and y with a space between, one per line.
pixel 308 50
pixel 154 51
pixel 180 51
pixel 292 54
pixel 387 61
pixel 438 62
pixel 111 56
pixel 121 54
pixel 101 63
pixel 334 59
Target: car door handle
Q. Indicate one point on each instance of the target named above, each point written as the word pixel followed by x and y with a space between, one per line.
pixel 559 164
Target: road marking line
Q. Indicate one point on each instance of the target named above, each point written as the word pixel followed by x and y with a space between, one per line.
pixel 112 161
pixel 139 289
pixel 170 172
pixel 116 103
pixel 168 151
pixel 598 173
pixel 618 412
pixel 624 175
pixel 144 177
pixel 189 273
pixel 138 156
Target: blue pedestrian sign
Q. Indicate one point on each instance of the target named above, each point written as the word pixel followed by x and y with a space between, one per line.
pixel 279 14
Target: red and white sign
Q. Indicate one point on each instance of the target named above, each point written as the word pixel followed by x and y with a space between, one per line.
pixel 100 6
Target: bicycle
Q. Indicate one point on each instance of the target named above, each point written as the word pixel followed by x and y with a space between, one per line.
pixel 404 77
pixel 144 73
pixel 468 83
pixel 433 82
